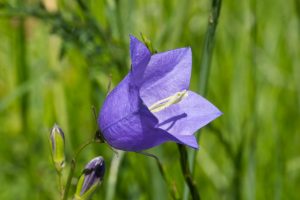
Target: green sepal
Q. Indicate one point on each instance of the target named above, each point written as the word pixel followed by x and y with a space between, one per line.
pixel 148 43
pixel 88 194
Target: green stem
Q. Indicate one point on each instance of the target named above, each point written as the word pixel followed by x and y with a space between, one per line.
pixel 206 57
pixel 171 186
pixel 60 185
pixel 205 68
pixel 185 168
pixel 113 175
pixel 207 52
pixel 72 169
pixel 70 176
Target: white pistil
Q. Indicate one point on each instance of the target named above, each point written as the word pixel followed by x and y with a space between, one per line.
pixel 165 103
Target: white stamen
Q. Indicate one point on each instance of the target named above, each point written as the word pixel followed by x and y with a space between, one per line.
pixel 165 103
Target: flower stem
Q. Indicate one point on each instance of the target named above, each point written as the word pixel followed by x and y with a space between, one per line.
pixel 185 168
pixel 60 185
pixel 205 68
pixel 68 184
pixel 171 186
pixel 73 166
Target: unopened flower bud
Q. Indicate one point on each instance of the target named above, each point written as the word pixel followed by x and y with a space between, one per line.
pixel 57 140
pixel 91 177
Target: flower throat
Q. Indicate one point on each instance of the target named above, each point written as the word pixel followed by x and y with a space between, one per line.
pixel 165 103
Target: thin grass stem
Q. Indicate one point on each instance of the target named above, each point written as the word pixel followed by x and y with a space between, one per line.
pixel 113 175
pixel 207 54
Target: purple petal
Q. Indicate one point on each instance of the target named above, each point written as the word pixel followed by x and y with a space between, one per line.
pixel 189 140
pixel 140 56
pixel 187 116
pixel 126 123
pixel 121 102
pixel 166 73
pixel 136 132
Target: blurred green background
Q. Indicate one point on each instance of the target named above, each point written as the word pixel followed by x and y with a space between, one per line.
pixel 55 60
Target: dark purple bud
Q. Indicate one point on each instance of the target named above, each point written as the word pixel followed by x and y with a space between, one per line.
pixel 91 177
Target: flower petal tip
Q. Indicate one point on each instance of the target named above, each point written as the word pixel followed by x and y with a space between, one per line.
pixel 196 147
pixel 188 140
pixel 135 42
pixel 132 38
pixel 139 53
pixel 218 114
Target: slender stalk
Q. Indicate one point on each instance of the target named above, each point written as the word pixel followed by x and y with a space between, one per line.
pixel 113 175
pixel 185 168
pixel 171 186
pixel 207 51
pixel 70 176
pixel 207 57
pixel 73 166
pixel 205 68
pixel 60 185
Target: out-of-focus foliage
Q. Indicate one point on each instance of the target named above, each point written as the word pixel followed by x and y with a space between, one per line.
pixel 56 57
